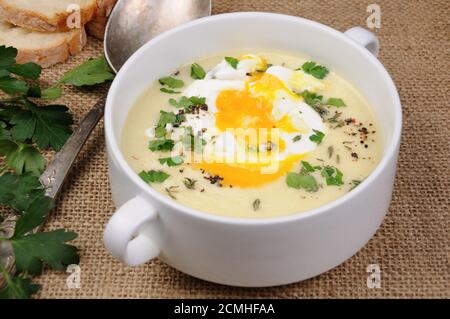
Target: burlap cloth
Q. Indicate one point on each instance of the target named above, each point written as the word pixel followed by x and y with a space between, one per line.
pixel 411 247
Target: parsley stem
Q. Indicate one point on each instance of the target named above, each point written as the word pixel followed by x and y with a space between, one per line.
pixel 2 169
pixel 5 274
pixel 9 283
pixel 14 101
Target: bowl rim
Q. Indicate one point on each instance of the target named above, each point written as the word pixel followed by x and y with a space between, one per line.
pixel 390 150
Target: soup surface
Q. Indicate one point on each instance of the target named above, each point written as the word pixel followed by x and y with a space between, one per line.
pixel 252 135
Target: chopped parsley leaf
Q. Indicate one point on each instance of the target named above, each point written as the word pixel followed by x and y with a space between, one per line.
pixel 335 102
pixel 169 91
pixel 185 102
pixel 171 82
pixel 333 176
pixel 172 161
pixel 311 98
pixel 197 72
pixel 317 137
pixel 317 71
pixel 302 180
pixel 163 145
pixel 153 176
pixel 309 168
pixel 232 61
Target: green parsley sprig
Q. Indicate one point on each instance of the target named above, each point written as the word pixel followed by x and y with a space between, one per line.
pixel 27 127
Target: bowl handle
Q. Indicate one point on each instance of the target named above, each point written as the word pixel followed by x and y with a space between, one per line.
pixel 365 38
pixel 124 235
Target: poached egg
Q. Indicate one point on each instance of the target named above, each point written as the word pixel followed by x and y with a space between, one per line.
pixel 257 126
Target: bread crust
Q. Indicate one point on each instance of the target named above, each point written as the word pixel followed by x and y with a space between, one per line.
pixel 96 27
pixel 38 22
pixel 47 57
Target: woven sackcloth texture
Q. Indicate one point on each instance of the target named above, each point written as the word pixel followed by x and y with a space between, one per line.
pixel 411 247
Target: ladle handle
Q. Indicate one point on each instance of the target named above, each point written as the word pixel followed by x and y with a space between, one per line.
pixel 57 171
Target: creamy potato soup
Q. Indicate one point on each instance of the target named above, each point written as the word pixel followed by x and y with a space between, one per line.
pixel 252 135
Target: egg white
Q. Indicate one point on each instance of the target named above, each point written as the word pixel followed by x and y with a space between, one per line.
pixel 296 80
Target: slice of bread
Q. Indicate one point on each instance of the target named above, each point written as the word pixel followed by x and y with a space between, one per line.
pixel 46 15
pixel 43 48
pixel 96 27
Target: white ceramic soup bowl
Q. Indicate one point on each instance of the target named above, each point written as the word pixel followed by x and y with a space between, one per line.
pixel 249 252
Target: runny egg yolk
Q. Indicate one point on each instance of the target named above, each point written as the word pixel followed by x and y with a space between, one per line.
pixel 251 108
